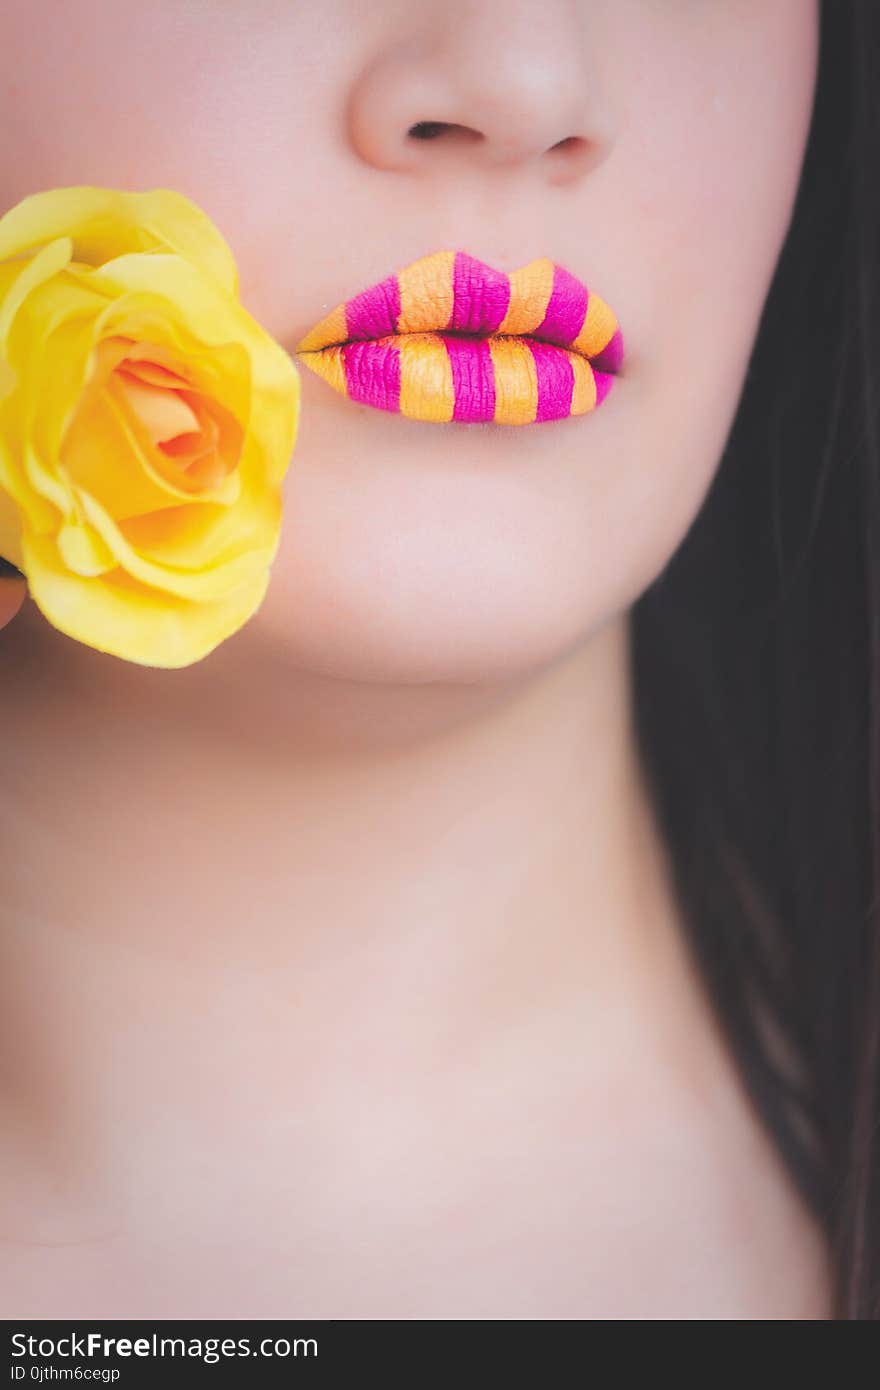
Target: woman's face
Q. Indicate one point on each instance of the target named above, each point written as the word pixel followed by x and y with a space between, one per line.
pixel 651 147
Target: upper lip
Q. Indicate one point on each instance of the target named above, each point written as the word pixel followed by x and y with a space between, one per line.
pixel 453 292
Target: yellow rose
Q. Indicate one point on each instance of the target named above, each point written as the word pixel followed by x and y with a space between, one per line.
pixel 146 423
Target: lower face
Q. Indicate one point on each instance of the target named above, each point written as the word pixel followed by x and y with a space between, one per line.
pixel 425 551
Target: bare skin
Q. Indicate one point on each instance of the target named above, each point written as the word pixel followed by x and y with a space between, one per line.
pixel 410 1035
pixel 341 973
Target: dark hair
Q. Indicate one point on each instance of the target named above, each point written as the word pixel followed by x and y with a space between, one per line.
pixel 757 684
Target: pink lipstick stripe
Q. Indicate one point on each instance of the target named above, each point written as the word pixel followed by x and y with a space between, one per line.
pixel 374 313
pixel 370 378
pixel 473 378
pixel 555 381
pixel 566 311
pixel 481 296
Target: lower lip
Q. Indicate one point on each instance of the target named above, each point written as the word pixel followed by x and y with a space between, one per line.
pixel 442 377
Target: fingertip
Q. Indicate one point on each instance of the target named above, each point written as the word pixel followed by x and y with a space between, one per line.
pixel 12 595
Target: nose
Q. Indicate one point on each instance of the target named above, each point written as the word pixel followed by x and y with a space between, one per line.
pixel 486 85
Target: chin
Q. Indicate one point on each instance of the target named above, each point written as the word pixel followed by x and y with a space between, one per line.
pixel 367 619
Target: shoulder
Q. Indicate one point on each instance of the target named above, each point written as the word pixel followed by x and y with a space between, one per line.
pixel 757 1244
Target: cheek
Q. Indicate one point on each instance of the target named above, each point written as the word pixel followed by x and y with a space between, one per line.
pixel 712 182
pixel 132 95
pixel 719 215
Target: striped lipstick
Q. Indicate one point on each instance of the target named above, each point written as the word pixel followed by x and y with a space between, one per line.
pixel 448 338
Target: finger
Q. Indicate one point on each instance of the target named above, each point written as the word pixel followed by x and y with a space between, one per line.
pixel 13 588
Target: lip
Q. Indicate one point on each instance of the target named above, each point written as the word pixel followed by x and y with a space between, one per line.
pixel 450 339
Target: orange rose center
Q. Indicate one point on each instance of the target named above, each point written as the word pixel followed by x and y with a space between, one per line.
pixel 196 442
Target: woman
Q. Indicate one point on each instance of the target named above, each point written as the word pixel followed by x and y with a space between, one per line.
pixel 489 930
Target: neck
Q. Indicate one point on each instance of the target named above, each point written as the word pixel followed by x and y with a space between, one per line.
pixel 247 856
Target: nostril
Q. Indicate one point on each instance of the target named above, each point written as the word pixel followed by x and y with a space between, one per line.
pixel 429 130
pixel 425 130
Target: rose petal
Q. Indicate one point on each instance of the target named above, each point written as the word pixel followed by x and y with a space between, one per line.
pixel 83 551
pixel 195 442
pixel 35 510
pixel 108 452
pixel 119 616
pixel 200 586
pixel 54 340
pixel 187 291
pixel 163 413
pixel 107 222
pixel 10 530
pixel 276 379
pixel 150 371
pixel 102 454
pixel 44 265
pixel 220 371
pixel 8 379
pixel 200 535
pixel 50 485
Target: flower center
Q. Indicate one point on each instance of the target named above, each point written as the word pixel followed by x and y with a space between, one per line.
pixel 196 441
